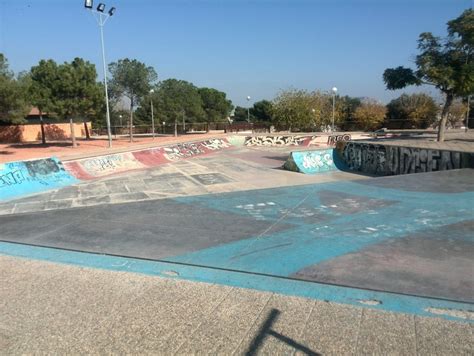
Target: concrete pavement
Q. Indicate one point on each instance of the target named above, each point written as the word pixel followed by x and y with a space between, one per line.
pixel 61 309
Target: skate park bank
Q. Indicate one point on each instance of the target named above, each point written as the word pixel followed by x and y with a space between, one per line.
pixel 397 243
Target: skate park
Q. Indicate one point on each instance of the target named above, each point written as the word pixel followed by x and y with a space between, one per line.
pixel 226 211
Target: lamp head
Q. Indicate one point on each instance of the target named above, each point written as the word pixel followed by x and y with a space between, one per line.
pixel 112 11
pixel 101 7
pixel 248 97
pixel 334 90
pixel 88 4
pixel 152 91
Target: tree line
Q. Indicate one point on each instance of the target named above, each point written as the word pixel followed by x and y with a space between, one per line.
pixel 71 90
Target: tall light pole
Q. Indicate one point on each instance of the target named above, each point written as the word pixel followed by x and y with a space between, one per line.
pixel 248 109
pixel 102 18
pixel 152 118
pixel 334 91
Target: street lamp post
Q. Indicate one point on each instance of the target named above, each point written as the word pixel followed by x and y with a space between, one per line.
pixel 102 18
pixel 334 91
pixel 152 118
pixel 248 109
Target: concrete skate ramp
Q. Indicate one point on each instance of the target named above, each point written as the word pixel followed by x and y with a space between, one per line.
pixel 28 177
pixel 101 166
pixel 377 234
pixel 312 162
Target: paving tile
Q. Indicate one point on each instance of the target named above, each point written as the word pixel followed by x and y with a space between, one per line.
pixel 229 324
pixel 435 334
pixel 279 328
pixel 386 333
pixel 28 207
pixel 332 329
pixel 59 204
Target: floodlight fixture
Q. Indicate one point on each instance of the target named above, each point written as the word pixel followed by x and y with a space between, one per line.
pixel 88 4
pixel 112 11
pixel 101 7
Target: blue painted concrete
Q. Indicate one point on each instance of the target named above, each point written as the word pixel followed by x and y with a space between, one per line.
pixel 27 177
pixel 388 301
pixel 314 162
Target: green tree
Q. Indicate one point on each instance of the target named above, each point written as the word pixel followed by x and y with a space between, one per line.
pixel 446 64
pixel 75 93
pixel 241 114
pixel 370 114
pixel 295 109
pixel 215 104
pixel 13 103
pixel 175 100
pixel 262 110
pixel 133 80
pixel 43 80
pixel 413 111
pixel 457 113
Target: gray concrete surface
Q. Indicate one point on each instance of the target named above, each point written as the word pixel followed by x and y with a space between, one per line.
pixel 230 170
pixel 60 309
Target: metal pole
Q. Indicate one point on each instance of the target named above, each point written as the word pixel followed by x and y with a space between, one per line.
pixel 152 119
pixel 101 25
pixel 468 113
pixel 248 115
pixel 333 109
pixel 184 123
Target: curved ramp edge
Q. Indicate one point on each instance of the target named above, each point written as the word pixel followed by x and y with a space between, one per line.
pixel 314 161
pixel 21 178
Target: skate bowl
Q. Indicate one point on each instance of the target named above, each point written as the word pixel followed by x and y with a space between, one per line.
pixel 28 177
pixel 314 161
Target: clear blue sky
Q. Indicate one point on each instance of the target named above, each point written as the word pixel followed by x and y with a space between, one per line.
pixel 240 47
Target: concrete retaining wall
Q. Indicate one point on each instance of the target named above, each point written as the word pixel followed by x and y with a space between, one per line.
pixel 385 160
pixel 312 162
pixel 90 168
pixel 28 177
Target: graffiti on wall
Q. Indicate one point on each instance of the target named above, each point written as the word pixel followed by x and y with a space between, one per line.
pixel 393 160
pixel 11 178
pixel 278 140
pixel 19 178
pixel 112 163
pixel 182 150
pixel 215 144
pixel 311 162
pixel 333 139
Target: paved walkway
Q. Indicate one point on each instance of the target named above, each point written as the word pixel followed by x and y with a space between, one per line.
pixel 60 309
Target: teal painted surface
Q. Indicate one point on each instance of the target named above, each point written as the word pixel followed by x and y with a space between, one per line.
pixel 307 229
pixel 313 162
pixel 387 301
pixel 28 177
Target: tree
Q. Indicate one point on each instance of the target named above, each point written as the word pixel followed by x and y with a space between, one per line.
pixel 457 113
pixel 262 110
pixel 13 103
pixel 370 114
pixel 76 92
pixel 43 77
pixel 132 79
pixel 215 104
pixel 176 100
pixel 241 114
pixel 446 64
pixel 413 111
pixel 295 109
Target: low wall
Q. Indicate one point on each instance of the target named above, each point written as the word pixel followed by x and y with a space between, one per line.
pixel 379 159
pixel 32 132
pixel 28 177
pixel 279 140
pixel 90 168
pixel 312 162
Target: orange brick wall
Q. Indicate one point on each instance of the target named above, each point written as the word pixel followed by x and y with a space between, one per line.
pixel 32 133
